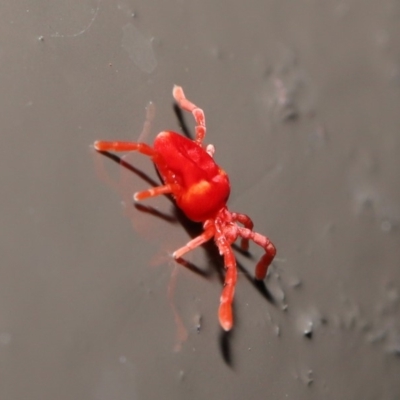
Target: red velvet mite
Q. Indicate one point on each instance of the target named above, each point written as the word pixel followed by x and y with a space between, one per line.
pixel 200 189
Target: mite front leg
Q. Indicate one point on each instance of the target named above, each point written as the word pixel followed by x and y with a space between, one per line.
pixel 143 148
pixel 266 244
pixel 118 146
pixel 210 150
pixel 156 191
pixel 197 112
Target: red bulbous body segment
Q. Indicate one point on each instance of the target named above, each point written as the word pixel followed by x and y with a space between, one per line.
pixel 200 189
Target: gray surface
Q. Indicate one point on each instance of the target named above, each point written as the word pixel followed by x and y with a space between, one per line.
pixel 302 104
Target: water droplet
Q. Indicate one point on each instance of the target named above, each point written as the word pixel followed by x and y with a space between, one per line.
pixel 308 332
pixel 386 226
pixel 181 375
pixel 198 322
pixel 277 330
pixel 5 338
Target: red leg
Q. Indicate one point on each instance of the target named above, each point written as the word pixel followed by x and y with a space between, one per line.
pixel 145 149
pixel 124 146
pixel 210 150
pixel 197 112
pixel 248 223
pixel 266 244
pixel 196 242
pixel 156 191
pixel 225 314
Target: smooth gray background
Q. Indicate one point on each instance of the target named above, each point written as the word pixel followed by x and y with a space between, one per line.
pixel 302 104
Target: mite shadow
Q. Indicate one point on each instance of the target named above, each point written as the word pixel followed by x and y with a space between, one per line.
pixel 194 229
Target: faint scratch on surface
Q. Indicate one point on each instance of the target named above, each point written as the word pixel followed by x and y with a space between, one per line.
pixel 82 31
pixel 139 48
pixel 150 113
pixel 181 333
